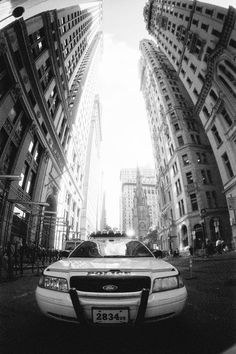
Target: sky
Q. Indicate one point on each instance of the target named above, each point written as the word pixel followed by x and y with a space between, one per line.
pixel 126 137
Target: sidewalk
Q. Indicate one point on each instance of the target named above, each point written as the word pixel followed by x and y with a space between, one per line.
pixel 27 271
pixel 184 259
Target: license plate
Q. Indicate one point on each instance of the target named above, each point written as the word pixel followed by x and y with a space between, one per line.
pixel 110 315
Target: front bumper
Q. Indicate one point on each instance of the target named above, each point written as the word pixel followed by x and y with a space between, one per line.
pixel 76 306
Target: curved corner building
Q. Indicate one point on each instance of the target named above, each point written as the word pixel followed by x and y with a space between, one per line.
pixel 188 180
pixel 199 40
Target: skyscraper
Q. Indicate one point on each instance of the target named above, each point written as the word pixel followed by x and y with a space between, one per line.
pixel 199 41
pixel 48 66
pixel 189 186
pixel 92 207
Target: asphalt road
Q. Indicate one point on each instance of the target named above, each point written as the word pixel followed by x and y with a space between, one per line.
pixel 207 324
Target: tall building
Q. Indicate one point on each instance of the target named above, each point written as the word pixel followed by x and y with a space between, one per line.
pixel 138 191
pixel 199 40
pixel 92 208
pixel 48 66
pixel 191 206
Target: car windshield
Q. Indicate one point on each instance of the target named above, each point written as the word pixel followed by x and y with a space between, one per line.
pixel 111 248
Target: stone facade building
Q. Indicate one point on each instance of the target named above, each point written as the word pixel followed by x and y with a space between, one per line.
pixel 189 187
pixel 47 65
pixel 199 40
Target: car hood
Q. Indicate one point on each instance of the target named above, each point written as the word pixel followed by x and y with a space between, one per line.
pixel 106 264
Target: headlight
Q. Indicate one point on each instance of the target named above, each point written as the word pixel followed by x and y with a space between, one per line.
pixel 169 283
pixel 53 283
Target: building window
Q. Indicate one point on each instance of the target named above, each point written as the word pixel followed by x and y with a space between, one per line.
pixel 201 78
pixel 183 72
pixel 227 165
pixel 209 177
pixel 232 43
pixel 195 92
pixel 45 74
pixel 53 101
pixel 189 82
pixel 38 42
pixel 30 183
pixel 23 175
pixel 209 12
pixel 175 168
pixel 226 117
pixel 214 198
pixel 191 125
pixel 195 139
pixel 220 16
pixel 193 199
pixel 186 59
pixel 205 27
pixel 209 199
pixel 31 98
pixel 199 9
pixel 213 95
pixel 167 98
pixel 198 157
pixel 181 208
pixel 203 174
pixel 185 160
pixel 216 33
pixel 178 187
pixel 226 84
pixel 176 125
pixel 5 80
pixel 204 157
pixel 216 135
pixel 206 113
pixel 68 198
pixel 180 140
pixel 189 177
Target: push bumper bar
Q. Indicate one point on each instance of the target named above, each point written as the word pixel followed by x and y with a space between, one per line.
pixel 80 312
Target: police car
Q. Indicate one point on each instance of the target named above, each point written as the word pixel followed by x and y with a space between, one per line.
pixel 111 279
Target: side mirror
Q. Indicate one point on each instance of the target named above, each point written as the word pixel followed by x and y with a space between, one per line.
pixel 157 253
pixel 64 254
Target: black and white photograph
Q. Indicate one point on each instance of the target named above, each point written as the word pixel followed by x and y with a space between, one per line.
pixel 117 177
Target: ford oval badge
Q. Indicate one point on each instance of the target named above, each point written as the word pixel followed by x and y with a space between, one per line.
pixel 110 287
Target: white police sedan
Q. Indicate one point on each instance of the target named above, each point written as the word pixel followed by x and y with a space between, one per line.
pixel 111 279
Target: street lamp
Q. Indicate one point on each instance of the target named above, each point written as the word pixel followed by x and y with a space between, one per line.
pixel 17 12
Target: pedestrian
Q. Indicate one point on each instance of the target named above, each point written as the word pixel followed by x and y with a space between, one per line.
pixel 225 248
pixel 10 253
pixel 191 250
pixel 219 244
pixel 176 253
